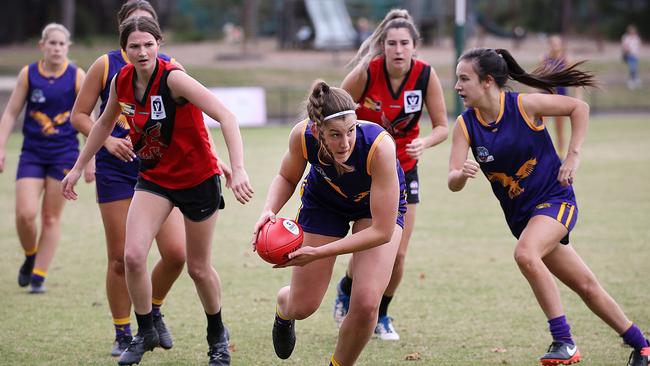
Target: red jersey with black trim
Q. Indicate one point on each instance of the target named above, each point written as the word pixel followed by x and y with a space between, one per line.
pixel 397 111
pixel 170 139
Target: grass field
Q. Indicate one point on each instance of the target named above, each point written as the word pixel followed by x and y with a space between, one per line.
pixel 462 298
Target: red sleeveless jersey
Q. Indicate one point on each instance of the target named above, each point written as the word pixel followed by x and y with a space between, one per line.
pixel 170 139
pixel 397 111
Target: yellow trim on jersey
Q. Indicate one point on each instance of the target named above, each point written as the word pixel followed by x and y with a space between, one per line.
pixel 561 213
pixel 372 149
pixel 529 121
pixel 502 108
pixel 158 302
pixel 122 321
pixel 334 362
pixel 303 141
pixel 461 122
pixel 105 74
pixel 26 68
pixel 126 59
pixel 336 188
pixel 568 219
pixel 40 272
pixel 57 74
pixel 31 252
pixel 77 85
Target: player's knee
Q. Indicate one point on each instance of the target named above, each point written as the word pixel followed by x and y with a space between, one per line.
pixel 25 217
pixel 525 258
pixel 134 262
pixel 49 220
pixel 589 289
pixel 116 266
pixel 199 272
pixel 399 260
pixel 365 309
pixel 174 260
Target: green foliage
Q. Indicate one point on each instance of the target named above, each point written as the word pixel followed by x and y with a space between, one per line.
pixel 462 296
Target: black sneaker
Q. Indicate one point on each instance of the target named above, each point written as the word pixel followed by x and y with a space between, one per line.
pixel 165 337
pixel 218 352
pixel 284 337
pixel 141 343
pixel 25 273
pixel 639 357
pixel 561 353
pixel 120 344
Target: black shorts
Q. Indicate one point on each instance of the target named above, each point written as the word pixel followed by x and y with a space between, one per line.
pixel 196 203
pixel 412 185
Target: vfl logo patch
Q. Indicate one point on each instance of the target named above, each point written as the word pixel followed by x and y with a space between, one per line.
pixel 127 109
pixel 290 226
pixel 37 96
pixel 157 108
pixel 412 101
pixel 483 155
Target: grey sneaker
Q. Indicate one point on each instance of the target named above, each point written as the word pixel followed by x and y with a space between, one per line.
pixel 141 343
pixel 219 353
pixel 639 357
pixel 120 344
pixel 165 337
pixel 561 353
pixel 37 287
pixel 284 337
pixel 384 329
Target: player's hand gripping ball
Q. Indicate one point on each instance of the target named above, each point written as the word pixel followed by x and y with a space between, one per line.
pixel 276 240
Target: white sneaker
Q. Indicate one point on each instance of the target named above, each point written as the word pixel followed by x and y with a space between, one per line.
pixel 384 329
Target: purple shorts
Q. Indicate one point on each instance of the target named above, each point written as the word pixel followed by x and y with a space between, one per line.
pixel 31 165
pixel 114 187
pixel 566 213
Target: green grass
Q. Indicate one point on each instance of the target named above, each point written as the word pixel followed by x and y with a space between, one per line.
pixel 462 295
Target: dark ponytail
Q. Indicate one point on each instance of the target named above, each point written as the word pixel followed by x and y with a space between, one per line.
pixel 324 101
pixel 500 64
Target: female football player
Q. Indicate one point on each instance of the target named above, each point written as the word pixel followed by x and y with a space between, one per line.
pixel 511 146
pixel 354 177
pixel 163 107
pixel 50 148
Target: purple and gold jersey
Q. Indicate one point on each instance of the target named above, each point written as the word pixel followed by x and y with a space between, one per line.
pixel 518 158
pixel 47 129
pixel 344 197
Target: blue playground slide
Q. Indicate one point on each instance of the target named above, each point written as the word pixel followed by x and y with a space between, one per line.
pixel 332 24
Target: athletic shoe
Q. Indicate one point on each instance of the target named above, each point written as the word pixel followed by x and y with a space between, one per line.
pixel 384 329
pixel 341 305
pixel 25 273
pixel 121 343
pixel 141 343
pixel 165 337
pixel 219 353
pixel 639 357
pixel 561 353
pixel 37 287
pixel 284 337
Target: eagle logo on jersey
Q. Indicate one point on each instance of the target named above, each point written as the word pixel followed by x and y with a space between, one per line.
pixel 128 109
pixel 361 196
pixel 399 127
pixel 48 125
pixel 371 104
pixel 122 122
pixel 512 183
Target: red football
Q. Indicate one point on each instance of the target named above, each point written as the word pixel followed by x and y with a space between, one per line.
pixel 276 240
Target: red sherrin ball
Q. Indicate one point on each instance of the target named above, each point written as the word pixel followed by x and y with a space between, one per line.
pixel 276 240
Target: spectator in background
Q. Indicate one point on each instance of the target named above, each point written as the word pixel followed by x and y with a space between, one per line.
pixel 364 30
pixel 631 44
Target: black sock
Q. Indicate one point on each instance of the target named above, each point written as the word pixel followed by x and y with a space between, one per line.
pixel 145 322
pixel 215 327
pixel 383 305
pixel 346 285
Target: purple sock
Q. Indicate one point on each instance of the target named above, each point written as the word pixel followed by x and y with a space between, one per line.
pixel 560 330
pixel 634 337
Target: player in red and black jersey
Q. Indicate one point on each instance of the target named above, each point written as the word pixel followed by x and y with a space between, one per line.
pixel 392 87
pixel 163 106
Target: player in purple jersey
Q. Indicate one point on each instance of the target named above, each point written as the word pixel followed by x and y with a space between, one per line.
pixel 508 139
pixel 50 148
pixel 117 172
pixel 354 177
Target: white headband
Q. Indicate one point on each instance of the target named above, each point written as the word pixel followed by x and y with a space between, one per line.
pixel 339 114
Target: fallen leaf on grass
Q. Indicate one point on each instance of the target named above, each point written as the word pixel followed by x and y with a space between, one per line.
pixel 232 348
pixel 415 356
pixel 499 350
